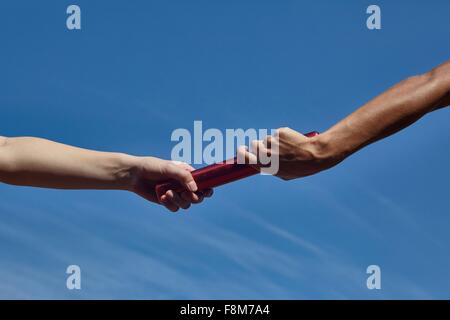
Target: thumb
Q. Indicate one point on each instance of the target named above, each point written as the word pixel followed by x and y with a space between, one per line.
pixel 180 174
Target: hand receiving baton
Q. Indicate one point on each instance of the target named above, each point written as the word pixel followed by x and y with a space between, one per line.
pixel 216 174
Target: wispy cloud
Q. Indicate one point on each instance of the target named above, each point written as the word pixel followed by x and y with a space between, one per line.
pixel 138 252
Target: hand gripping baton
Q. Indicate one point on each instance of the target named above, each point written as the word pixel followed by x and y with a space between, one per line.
pixel 216 174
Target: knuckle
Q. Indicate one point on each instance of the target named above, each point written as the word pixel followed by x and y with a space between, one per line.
pixel 168 167
pixel 283 130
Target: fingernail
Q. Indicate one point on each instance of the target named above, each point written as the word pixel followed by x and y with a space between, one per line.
pixel 192 186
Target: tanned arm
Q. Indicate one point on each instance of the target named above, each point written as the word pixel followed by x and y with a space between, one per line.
pixel 393 110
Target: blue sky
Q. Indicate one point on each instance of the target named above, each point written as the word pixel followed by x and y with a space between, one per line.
pixel 138 70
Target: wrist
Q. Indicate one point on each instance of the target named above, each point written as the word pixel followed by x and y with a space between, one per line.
pixel 439 81
pixel 440 76
pixel 327 149
pixel 125 171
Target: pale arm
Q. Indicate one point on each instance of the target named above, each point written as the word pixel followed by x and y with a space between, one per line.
pixel 36 162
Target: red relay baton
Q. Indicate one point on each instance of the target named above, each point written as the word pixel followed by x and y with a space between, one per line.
pixel 216 174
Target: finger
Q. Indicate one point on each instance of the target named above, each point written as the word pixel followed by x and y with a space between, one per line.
pixel 168 204
pixel 196 197
pixel 175 198
pixel 199 197
pixel 260 151
pixel 267 142
pixel 147 191
pixel 246 157
pixel 254 145
pixel 208 193
pixel 286 133
pixel 181 175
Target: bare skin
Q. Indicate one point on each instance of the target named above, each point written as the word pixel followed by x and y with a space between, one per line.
pixel 42 163
pixel 388 113
pixel 36 162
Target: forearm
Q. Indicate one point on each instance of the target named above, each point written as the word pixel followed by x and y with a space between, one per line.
pixel 395 109
pixel 42 163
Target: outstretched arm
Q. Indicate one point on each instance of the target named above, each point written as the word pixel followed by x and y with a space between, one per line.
pixel 393 110
pixel 28 161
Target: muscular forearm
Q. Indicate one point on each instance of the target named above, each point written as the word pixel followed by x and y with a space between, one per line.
pixel 388 113
pixel 43 163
